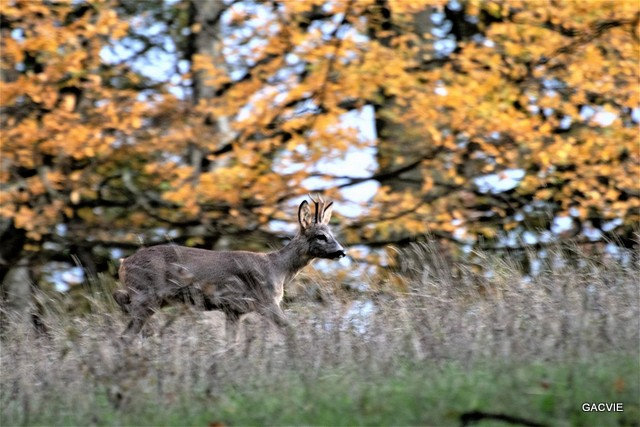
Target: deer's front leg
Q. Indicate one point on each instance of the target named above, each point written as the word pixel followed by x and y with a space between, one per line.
pixel 231 328
pixel 274 313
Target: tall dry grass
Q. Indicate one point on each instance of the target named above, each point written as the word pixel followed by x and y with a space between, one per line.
pixel 578 306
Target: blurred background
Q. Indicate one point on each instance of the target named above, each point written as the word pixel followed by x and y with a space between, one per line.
pixel 479 125
pixel 484 161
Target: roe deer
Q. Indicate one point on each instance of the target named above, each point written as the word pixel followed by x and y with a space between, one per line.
pixel 235 282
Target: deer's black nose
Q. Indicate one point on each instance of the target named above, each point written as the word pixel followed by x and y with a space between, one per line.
pixel 338 253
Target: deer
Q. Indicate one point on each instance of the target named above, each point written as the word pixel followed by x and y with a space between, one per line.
pixel 234 282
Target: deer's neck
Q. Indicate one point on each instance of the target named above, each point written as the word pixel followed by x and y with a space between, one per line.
pixel 291 259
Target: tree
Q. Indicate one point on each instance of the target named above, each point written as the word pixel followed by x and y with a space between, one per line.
pixel 64 116
pixel 522 91
pixel 493 119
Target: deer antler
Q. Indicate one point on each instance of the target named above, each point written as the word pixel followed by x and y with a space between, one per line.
pixel 319 205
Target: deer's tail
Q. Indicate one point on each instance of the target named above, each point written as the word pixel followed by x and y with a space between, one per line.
pixel 122 296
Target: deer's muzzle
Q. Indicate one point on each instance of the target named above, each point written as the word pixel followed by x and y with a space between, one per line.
pixel 338 254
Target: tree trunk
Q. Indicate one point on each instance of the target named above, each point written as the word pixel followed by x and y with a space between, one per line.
pixel 16 293
pixel 398 145
pixel 204 19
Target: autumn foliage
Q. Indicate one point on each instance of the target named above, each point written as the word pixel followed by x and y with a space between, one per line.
pixel 100 148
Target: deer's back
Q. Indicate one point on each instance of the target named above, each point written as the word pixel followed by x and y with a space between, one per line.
pixel 167 265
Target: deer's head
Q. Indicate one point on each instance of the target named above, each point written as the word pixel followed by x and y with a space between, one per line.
pixel 317 238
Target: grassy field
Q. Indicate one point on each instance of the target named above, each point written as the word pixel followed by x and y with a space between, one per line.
pixel 426 394
pixel 447 351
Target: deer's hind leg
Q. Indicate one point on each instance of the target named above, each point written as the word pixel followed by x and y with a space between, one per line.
pixel 139 312
pixel 134 327
pixel 145 282
pixel 136 321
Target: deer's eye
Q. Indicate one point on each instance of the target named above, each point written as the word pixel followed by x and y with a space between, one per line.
pixel 321 237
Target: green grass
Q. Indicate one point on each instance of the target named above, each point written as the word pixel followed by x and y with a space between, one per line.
pixel 429 394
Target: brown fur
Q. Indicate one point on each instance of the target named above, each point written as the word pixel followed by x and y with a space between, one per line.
pixel 236 282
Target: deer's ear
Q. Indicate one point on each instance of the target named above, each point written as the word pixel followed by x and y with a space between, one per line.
pixel 326 213
pixel 304 215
